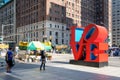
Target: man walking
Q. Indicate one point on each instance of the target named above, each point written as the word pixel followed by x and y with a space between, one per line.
pixel 9 60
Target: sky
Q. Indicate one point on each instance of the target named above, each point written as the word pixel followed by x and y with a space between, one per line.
pixel 6 1
pixel 1 2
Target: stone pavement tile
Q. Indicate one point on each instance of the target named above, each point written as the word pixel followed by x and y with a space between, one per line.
pixel 59 70
pixel 2 62
pixel 7 77
pixel 1 79
pixel 59 73
pixel 111 71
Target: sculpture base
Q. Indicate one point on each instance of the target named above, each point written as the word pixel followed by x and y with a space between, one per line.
pixel 92 64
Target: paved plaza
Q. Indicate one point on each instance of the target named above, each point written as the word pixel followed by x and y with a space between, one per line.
pixel 60 69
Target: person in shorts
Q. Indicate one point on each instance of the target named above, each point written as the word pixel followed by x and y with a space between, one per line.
pixel 9 60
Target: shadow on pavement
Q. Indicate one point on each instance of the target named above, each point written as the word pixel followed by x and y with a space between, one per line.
pixel 25 66
pixel 21 66
pixel 68 74
pixel 60 62
pixel 53 73
pixel 8 77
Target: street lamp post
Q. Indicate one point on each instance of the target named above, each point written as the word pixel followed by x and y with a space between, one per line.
pixel 3 30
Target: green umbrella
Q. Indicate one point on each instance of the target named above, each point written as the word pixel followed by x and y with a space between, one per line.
pixel 47 48
pixel 35 45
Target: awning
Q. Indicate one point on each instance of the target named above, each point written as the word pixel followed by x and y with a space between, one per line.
pixel 3 46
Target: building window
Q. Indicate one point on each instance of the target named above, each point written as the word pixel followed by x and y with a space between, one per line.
pixel 51 25
pixel 56 34
pixel 62 20
pixel 50 18
pixel 36 34
pixel 66 41
pixel 43 33
pixel 43 18
pixel 62 41
pixel 50 10
pixel 72 15
pixel 50 33
pixel 62 27
pixel 34 27
pixel 62 35
pixel 37 27
pixel 56 41
pixel 43 25
pixel 31 35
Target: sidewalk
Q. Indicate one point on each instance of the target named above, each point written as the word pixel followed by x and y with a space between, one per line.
pixel 65 71
pixel 2 62
pixel 60 69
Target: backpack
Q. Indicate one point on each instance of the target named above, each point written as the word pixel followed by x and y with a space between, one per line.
pixel 9 56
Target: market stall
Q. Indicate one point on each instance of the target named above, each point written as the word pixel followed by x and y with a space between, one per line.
pixel 35 45
pixel 3 49
pixel 23 45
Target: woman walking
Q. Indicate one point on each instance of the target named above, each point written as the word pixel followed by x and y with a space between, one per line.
pixel 43 60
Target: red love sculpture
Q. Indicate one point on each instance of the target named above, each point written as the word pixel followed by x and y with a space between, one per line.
pixel 91 47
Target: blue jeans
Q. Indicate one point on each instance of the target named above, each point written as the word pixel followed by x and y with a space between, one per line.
pixel 42 65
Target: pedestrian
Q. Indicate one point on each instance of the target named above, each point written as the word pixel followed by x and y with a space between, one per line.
pixel 43 59
pixel 112 52
pixel 27 55
pixel 9 60
pixel 0 51
pixel 16 49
